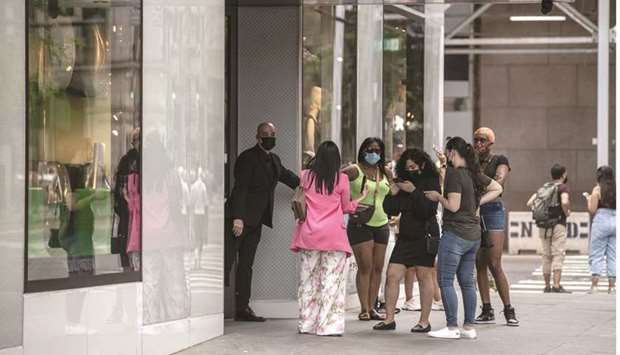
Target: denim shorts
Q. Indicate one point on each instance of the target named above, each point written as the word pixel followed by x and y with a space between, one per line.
pixel 494 216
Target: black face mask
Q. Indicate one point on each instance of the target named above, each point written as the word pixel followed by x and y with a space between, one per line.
pixel 268 143
pixel 412 176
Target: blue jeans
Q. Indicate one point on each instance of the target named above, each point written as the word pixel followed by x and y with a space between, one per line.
pixel 457 256
pixel 494 216
pixel 603 243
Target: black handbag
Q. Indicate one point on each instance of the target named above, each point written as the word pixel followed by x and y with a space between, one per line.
pixel 54 241
pixel 363 213
pixel 432 241
pixel 485 241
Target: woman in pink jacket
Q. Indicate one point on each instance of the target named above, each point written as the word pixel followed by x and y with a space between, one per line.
pixel 322 243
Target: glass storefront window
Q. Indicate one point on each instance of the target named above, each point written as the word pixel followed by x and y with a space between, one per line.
pixel 403 81
pixel 83 121
pixel 329 79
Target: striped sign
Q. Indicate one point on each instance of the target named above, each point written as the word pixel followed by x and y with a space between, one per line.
pixel 523 233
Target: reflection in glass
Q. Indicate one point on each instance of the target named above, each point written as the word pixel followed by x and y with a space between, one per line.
pixel 329 78
pixel 83 149
pixel 403 82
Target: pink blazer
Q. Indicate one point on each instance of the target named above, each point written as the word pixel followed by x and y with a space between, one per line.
pixel 324 228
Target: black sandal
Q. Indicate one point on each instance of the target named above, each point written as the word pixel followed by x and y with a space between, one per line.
pixel 419 329
pixel 374 315
pixel 385 326
pixel 363 316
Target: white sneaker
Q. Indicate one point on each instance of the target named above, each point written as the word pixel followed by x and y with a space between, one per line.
pixel 445 333
pixel 593 290
pixel 469 334
pixel 437 306
pixel 411 305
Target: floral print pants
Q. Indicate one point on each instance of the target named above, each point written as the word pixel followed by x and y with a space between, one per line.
pixel 322 288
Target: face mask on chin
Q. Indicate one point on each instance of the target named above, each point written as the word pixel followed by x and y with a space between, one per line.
pixel 268 143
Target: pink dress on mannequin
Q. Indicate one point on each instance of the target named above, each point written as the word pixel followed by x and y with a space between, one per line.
pixel 133 193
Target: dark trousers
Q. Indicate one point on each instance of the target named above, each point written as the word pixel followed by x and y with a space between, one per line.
pixel 246 246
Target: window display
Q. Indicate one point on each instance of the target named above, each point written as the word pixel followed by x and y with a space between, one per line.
pixel 403 82
pixel 329 78
pixel 83 121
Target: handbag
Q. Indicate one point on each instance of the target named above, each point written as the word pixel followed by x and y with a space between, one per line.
pixel 485 242
pixel 54 241
pixel 364 212
pixel 298 204
pixel 432 241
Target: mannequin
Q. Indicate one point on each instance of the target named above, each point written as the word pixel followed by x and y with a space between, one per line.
pixel 128 163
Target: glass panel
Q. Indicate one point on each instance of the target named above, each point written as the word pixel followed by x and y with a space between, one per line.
pixel 12 167
pixel 329 79
pixel 403 82
pixel 84 112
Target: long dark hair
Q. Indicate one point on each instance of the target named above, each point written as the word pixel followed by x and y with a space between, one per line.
pixel 467 152
pixel 325 167
pixel 421 158
pixel 607 181
pixel 367 143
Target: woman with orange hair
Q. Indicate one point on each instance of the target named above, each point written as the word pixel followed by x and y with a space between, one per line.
pixel 493 224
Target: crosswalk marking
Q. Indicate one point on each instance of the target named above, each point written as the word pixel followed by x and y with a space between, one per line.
pixel 575 277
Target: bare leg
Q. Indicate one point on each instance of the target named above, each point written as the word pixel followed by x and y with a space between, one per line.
pixel 557 277
pixel 363 258
pixel 410 277
pixel 394 275
pixel 375 276
pixel 425 279
pixel 595 281
pixel 495 265
pixel 547 280
pixel 482 275
pixel 436 290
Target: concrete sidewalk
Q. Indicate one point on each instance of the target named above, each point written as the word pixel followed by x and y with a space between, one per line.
pixel 550 324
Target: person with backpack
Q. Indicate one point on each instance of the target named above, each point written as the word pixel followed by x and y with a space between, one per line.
pixel 550 208
pixel 602 206
pixel 321 241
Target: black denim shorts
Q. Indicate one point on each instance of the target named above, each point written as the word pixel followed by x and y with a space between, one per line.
pixel 360 233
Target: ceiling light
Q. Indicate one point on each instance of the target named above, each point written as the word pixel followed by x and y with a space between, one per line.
pixel 537 18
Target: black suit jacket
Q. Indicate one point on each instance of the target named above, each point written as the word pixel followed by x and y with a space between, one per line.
pixel 253 192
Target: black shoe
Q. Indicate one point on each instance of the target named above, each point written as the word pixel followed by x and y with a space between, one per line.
pixel 547 290
pixel 420 329
pixel 374 315
pixel 385 326
pixel 248 315
pixel 511 318
pixel 560 289
pixel 487 316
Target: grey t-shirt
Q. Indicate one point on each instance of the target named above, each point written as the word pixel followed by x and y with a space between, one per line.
pixel 465 222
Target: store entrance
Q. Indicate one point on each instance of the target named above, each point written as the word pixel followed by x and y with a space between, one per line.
pixel 230 146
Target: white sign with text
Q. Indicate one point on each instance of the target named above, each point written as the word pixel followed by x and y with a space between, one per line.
pixel 523 233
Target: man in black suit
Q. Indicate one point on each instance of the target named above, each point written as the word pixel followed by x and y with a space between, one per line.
pixel 257 172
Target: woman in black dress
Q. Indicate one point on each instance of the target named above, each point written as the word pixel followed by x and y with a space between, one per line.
pixel 416 173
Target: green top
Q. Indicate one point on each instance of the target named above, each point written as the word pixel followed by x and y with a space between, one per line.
pixel 379 218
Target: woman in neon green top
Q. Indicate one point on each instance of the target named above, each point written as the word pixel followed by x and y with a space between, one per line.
pixel 369 241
